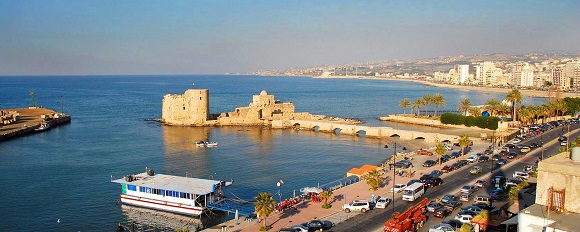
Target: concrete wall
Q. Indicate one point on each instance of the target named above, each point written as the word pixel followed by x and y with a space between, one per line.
pixel 559 172
pixel 190 108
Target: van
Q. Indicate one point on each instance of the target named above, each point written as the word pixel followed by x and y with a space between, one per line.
pixel 483 199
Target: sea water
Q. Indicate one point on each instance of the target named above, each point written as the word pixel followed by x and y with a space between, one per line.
pixel 59 180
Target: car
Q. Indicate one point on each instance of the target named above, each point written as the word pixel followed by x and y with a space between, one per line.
pixel 466 197
pixel 455 155
pixel 465 212
pixel 521 175
pixel 480 183
pixel 516 140
pixel 528 169
pixel 483 206
pixel 533 145
pixel 475 170
pixel 512 182
pixel 457 165
pixel 446 157
pixel 448 148
pixel 413 181
pixel 495 157
pixel 447 168
pixel 357 205
pixel 432 182
pixel 315 225
pixel 564 143
pixel 402 164
pixel 463 162
pixel 434 205
pixel 381 202
pixel 501 161
pixel 425 178
pixel 429 163
pixel 442 212
pixel 497 194
pixel 519 146
pixel 448 197
pixel 483 159
pixel 441 227
pixel 424 152
pixel 512 155
pixel 436 173
pixel 298 228
pixel 443 159
pixel 398 188
pixel 562 138
pixel 504 153
pixel 488 151
pixel 452 205
pixel 468 188
pixel 525 149
pixel 453 223
pixel 472 158
pixel 472 208
pixel 464 218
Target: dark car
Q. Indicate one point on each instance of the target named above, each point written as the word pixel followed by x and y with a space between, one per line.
pixel 467 212
pixel 457 165
pixel 533 145
pixel 452 205
pixel 436 173
pixel 424 178
pixel 483 159
pixel 454 223
pixel 442 212
pixel 442 159
pixel 497 194
pixel 455 155
pixel 503 153
pixel 429 163
pixel 483 206
pixel 433 206
pixel 501 161
pixel 315 225
pixel 463 162
pixel 449 197
pixel 495 157
pixel 509 145
pixel 402 164
pixel 448 168
pixel 413 181
pixel 433 182
pixel 512 155
pixel 446 157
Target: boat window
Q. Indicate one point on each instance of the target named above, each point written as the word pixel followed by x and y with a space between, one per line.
pixel 132 187
pixel 175 194
pixel 141 189
pixel 169 193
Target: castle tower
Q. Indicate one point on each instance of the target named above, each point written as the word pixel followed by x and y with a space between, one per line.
pixel 189 108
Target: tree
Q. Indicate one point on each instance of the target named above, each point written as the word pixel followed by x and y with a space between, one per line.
pixel 419 103
pixel 427 99
pixel 325 195
pixel 560 106
pixel 405 103
pixel 514 97
pixel 545 111
pixel 374 180
pixel 525 115
pixel 474 111
pixel 463 143
pixel 492 106
pixel 464 106
pixel 440 150
pixel 466 228
pixel 513 194
pixel 438 100
pixel 264 206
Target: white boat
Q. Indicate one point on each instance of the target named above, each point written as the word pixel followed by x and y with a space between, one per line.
pixel 176 194
pixel 206 144
pixel 43 126
pixel 200 144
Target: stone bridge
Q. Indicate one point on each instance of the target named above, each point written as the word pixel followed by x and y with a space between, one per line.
pixel 379 132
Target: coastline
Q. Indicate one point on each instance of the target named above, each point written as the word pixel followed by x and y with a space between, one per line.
pixel 524 92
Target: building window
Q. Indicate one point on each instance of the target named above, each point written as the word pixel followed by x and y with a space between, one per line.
pixel 556 199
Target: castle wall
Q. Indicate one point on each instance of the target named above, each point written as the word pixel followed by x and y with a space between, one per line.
pixel 189 108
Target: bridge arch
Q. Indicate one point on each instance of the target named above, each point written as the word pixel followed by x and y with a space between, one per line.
pixel 361 133
pixel 337 130
pixel 316 128
pixel 420 138
pixel 395 136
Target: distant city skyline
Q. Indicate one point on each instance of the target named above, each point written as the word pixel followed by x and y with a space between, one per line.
pixel 213 37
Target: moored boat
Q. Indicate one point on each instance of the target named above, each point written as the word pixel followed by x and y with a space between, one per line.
pixel 43 126
pixel 176 194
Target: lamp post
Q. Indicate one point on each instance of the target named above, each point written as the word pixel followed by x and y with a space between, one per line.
pixel 394 174
pixel 542 144
pixel 492 149
pixel 279 184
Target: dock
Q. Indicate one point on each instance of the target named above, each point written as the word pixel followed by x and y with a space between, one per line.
pixel 23 121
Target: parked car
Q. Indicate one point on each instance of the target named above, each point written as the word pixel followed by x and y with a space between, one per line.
pixel 464 218
pixel 483 159
pixel 512 182
pixel 466 197
pixel 425 177
pixel 452 205
pixel 497 194
pixel 512 155
pixel 315 225
pixel 382 202
pixel 465 212
pixel 533 145
pixel 448 197
pixel 402 164
pixel 441 227
pixel 455 154
pixel 429 163
pixel 484 206
pixel 412 182
pixel 442 213
pixel 357 205
pixel 495 157
pixel 564 143
pixel 453 223
pixel 434 205
pixel 501 161
pixel 562 138
pixel 448 148
pixel 521 175
pixel 296 228
pixel 432 182
pixel 472 208
pixel 468 188
pixel 475 170
pixel 447 168
pixel 424 152
pixel 398 188
pixel 480 183
pixel 436 173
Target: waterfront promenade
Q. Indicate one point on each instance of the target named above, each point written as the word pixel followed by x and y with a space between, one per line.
pixel 307 211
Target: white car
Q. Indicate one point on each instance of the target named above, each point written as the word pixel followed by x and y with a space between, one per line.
pixel 469 189
pixel 300 228
pixel 382 203
pixel 564 143
pixel 357 205
pixel 521 175
pixel 398 188
pixel 449 148
pixel 517 140
pixel 441 227
pixel 464 218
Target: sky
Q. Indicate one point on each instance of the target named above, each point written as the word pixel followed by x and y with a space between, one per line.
pixel 82 37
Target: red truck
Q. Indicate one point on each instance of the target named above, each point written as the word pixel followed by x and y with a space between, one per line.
pixel 410 220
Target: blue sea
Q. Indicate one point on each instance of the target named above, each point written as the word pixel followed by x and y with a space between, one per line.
pixel 59 180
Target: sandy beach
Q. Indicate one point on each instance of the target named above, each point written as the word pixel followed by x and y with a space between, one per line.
pixel 524 92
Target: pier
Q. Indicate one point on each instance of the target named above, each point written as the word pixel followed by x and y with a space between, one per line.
pixel 25 121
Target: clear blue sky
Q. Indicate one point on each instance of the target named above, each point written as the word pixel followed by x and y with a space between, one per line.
pixel 202 37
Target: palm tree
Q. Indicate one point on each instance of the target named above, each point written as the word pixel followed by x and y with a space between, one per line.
pixel 325 195
pixel 561 106
pixel 405 103
pixel 427 99
pixel 438 100
pixel 474 111
pixel 545 111
pixel 492 105
pixel 419 103
pixel 503 110
pixel 264 206
pixel 440 150
pixel 463 143
pixel 525 115
pixel 514 97
pixel 466 228
pixel 464 106
pixel 374 180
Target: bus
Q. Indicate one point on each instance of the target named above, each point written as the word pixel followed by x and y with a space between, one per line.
pixel 413 191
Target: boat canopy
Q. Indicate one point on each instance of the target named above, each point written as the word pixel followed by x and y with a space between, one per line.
pixel 174 183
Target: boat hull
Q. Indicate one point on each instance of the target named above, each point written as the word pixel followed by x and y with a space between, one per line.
pixel 162 205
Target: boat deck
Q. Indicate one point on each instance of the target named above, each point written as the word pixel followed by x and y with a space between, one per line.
pixel 175 183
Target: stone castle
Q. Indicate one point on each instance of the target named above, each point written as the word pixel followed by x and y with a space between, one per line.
pixel 192 109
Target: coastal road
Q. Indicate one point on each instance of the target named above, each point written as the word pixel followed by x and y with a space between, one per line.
pixel 374 219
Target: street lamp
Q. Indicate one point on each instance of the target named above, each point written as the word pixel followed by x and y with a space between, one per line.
pixel 542 144
pixel 279 184
pixel 394 174
pixel 492 149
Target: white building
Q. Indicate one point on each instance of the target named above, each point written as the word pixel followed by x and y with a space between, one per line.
pixel 527 78
pixel 463 73
pixel 573 74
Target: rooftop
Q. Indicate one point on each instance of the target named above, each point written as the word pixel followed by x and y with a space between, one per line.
pixel 174 183
pixel 562 221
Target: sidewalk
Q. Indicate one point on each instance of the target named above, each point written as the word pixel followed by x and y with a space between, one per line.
pixel 307 211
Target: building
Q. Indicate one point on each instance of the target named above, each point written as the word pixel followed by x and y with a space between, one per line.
pixel 462 73
pixel 557 206
pixel 481 73
pixel 189 108
pixel 573 74
pixel 559 78
pixel 527 78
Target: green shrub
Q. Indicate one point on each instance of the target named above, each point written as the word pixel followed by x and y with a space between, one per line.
pixel 469 121
pixel 326 206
